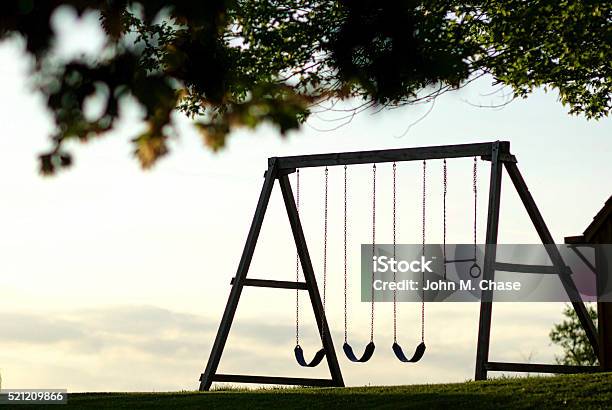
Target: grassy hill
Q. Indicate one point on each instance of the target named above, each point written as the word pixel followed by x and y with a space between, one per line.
pixel 574 391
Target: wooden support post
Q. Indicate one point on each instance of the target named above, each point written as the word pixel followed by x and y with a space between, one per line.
pixel 554 254
pixel 486 305
pixel 604 321
pixel 604 311
pixel 206 378
pixel 311 282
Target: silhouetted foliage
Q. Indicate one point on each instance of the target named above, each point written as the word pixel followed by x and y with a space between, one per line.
pixel 572 338
pixel 233 63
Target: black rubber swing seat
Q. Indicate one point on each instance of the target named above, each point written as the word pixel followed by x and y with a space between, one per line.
pixel 367 354
pixel 299 357
pixel 418 353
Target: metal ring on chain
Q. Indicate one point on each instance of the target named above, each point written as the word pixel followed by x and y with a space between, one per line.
pixel 475 270
pixel 475 189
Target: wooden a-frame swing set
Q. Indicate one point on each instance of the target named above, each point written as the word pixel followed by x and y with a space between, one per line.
pixel 279 168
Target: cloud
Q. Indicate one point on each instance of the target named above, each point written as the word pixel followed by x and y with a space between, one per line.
pixel 147 330
pixel 153 348
pixel 37 328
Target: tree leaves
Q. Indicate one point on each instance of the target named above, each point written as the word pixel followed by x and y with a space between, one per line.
pixel 563 45
pixel 239 63
pixel 392 49
pixel 572 338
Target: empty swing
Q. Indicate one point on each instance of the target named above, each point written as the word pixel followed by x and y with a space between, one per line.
pixel 369 349
pixel 299 353
pixel 475 270
pixel 397 349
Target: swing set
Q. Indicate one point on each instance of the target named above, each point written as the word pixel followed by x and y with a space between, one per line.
pixel 279 168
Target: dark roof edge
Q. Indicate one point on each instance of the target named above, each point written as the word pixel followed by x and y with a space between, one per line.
pixel 598 219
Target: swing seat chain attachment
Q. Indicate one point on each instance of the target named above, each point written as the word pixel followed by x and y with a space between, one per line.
pixel 370 347
pixel 298 351
pixel 397 349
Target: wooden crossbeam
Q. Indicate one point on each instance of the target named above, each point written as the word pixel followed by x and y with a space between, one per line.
pixel 520 268
pixel 540 368
pixel 291 381
pixel 277 284
pixel 391 155
pixel 460 260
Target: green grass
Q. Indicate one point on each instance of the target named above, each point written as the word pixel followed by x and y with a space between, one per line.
pixel 575 391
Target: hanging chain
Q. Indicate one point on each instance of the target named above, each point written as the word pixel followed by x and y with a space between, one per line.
pixel 394 246
pixel 423 237
pixel 423 209
pixel 345 264
pixel 475 189
pixel 325 242
pixel 373 248
pixel 445 182
pixel 297 269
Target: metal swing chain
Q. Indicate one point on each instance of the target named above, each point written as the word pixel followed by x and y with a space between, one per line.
pixel 373 248
pixel 475 189
pixel 325 242
pixel 423 237
pixel 394 246
pixel 297 269
pixel 445 183
pixel 345 263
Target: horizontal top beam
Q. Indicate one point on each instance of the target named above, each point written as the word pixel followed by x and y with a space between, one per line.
pixel 393 155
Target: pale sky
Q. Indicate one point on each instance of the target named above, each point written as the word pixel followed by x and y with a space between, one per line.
pixel 112 278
